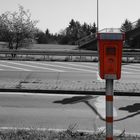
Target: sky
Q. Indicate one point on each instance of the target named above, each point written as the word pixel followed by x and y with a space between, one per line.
pixel 56 14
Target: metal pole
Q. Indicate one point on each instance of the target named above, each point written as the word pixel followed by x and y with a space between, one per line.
pixel 109 109
pixel 97 15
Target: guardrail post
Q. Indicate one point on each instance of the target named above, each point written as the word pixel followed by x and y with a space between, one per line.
pixel 44 57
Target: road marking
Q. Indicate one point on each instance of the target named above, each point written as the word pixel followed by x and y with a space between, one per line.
pixel 133 65
pixel 91 64
pixel 63 67
pixel 15 67
pixel 126 72
pixel 77 64
pixel 130 69
pixel 92 71
pixel 98 77
pixel 34 66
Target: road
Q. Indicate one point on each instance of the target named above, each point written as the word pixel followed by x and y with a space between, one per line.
pixel 62 70
pixel 53 111
pixel 61 111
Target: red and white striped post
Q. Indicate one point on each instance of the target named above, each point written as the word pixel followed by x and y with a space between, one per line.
pixel 109 109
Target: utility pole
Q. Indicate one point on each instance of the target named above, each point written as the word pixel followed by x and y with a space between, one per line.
pixel 97 16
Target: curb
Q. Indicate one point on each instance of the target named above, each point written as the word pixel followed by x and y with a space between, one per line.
pixel 116 93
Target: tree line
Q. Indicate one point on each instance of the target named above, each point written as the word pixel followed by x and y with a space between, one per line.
pixel 69 35
pixel 19 30
pixel 131 42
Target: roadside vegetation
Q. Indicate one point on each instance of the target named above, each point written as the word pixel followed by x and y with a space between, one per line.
pixel 52 135
pixel 19 30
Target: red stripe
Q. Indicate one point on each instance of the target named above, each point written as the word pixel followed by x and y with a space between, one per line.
pixel 109 138
pixel 109 119
pixel 109 98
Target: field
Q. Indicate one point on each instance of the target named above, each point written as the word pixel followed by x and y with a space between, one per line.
pixel 52 47
pixel 44 46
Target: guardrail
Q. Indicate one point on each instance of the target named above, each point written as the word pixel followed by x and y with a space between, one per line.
pixel 15 54
pixel 56 53
pixel 86 39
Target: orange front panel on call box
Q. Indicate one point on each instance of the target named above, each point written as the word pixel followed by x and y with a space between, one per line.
pixel 110 55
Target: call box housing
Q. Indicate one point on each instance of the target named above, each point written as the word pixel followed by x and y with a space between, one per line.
pixel 110 44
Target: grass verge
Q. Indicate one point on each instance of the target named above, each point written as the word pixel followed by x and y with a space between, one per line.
pixel 34 134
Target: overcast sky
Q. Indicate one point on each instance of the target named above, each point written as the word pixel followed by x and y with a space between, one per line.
pixel 56 14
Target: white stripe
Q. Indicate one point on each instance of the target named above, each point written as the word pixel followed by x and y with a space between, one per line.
pixel 92 71
pixel 125 72
pixel 132 65
pixel 72 64
pixel 62 66
pixel 34 66
pixel 91 64
pixel 130 69
pixel 94 66
pixel 14 67
pixel 98 77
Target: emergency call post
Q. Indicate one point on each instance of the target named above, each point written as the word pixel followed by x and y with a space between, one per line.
pixel 110 46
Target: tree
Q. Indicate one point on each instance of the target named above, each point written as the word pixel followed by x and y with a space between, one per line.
pixel 93 28
pixel 41 37
pixel 72 31
pixel 126 26
pixel 75 31
pixel 138 23
pixel 47 32
pixel 17 28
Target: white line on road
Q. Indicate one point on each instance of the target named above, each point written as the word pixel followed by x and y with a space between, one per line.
pixel 91 63
pixel 98 77
pixel 62 66
pixel 123 72
pixel 132 65
pixel 34 66
pixel 92 71
pixel 79 65
pixel 130 69
pixel 15 67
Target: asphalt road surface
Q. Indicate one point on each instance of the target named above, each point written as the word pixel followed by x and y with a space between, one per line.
pixel 61 111
pixel 57 112
pixel 62 70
